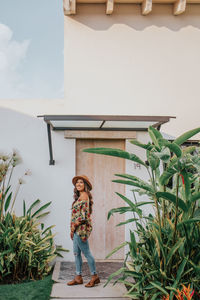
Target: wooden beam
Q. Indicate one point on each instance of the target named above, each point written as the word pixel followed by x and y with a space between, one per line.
pixel 109 7
pixel 73 7
pixel 85 134
pixel 66 7
pixel 146 7
pixel 69 7
pixel 179 7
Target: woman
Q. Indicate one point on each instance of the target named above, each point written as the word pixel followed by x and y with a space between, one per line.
pixel 81 228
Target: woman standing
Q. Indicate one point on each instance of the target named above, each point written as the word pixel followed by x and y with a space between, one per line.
pixel 81 228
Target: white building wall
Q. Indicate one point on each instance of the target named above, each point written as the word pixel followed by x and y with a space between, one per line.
pixel 48 183
pixel 126 63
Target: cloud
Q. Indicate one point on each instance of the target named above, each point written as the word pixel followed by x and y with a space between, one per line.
pixel 12 57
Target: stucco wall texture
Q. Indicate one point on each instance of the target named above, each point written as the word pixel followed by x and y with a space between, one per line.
pixel 127 63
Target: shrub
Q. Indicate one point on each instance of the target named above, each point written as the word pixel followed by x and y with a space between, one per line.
pixel 26 249
pixel 167 251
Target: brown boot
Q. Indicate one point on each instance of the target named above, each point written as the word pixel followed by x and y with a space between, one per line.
pixel 77 280
pixel 94 280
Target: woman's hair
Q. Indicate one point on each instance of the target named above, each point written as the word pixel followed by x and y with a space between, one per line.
pixel 87 190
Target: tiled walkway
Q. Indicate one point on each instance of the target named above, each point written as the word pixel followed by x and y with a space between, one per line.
pixel 64 271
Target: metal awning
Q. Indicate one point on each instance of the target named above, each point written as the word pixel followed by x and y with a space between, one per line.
pixel 100 123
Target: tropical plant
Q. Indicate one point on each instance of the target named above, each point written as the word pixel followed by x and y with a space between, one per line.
pixel 185 294
pixel 166 251
pixel 25 249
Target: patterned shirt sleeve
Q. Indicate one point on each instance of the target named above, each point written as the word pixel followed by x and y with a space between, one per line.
pixel 81 214
pixel 84 211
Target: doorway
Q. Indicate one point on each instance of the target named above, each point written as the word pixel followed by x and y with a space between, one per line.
pixel 100 169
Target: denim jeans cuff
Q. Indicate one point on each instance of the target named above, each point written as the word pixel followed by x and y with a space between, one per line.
pixel 78 273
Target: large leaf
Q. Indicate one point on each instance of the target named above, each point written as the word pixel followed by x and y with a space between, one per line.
pixel 178 276
pixel 192 220
pixel 172 146
pixel 166 175
pixel 155 135
pixel 155 296
pixel 117 153
pixel 195 197
pixel 144 203
pixel 24 208
pixel 129 176
pixel 153 160
pixel 36 202
pixel 187 187
pixel 174 249
pixel 131 204
pixel 120 210
pixel 148 146
pixel 141 185
pixel 172 198
pixel 7 203
pixel 133 244
pixel 175 149
pixel 114 275
pixel 187 135
pixel 159 287
pixel 41 208
pixel 139 182
pixel 160 243
pixel 164 155
pixel 42 215
pixel 127 221
pixel 116 249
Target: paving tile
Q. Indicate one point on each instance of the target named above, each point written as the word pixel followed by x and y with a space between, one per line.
pixel 64 271
pixel 63 291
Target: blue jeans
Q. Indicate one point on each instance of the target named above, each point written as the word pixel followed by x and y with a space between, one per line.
pixel 78 247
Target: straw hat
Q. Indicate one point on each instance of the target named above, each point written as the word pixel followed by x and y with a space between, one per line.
pixel 85 178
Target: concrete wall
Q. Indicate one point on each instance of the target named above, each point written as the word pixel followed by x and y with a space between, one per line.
pixel 127 63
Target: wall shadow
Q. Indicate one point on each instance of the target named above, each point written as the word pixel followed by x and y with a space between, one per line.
pixel 93 16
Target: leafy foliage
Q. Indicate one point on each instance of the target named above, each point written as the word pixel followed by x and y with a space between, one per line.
pixel 26 249
pixel 166 253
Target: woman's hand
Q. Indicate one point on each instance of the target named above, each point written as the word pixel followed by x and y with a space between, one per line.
pixel 72 235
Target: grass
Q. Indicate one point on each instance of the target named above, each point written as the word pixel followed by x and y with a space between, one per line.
pixel 33 290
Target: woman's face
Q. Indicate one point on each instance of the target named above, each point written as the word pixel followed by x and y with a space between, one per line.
pixel 80 185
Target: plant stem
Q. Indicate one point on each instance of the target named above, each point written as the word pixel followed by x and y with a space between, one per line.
pixel 163 208
pixel 11 172
pixel 176 210
pixel 15 196
pixel 156 202
pixel 2 199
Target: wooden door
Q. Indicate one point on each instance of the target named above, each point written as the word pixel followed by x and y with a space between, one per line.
pixel 100 169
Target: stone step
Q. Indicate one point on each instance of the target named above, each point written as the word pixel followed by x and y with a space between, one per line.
pixel 63 291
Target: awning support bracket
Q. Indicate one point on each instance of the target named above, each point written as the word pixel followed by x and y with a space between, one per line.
pixel 51 161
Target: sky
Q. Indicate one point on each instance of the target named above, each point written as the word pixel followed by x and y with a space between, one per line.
pixel 31 49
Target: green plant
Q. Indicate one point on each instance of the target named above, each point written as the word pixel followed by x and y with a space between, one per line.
pixel 166 252
pixel 185 294
pixel 26 249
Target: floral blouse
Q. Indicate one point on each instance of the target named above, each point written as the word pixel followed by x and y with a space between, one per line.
pixel 80 213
